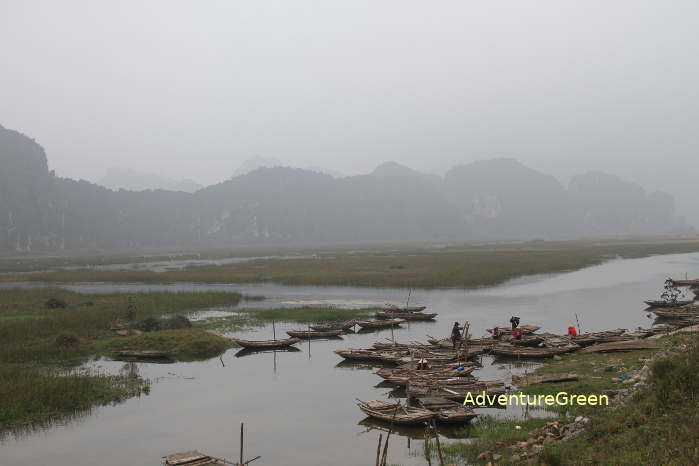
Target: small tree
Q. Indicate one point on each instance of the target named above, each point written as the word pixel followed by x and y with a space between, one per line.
pixel 671 293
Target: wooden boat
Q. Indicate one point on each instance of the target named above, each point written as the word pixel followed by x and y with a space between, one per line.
pixel 241 353
pixel 405 315
pixel 395 413
pixel 144 354
pixel 380 323
pixel 314 334
pixel 194 458
pixel 447 411
pixel 526 329
pixel 392 308
pixel 691 283
pixel 446 343
pixel 587 339
pixel 631 345
pixel 527 340
pixel 662 303
pixel 400 376
pixel 266 343
pixel 334 326
pixel 371 355
pixel 441 342
pixel 679 313
pixel 525 352
pixel 389 345
pixel 421 389
pixel 527 380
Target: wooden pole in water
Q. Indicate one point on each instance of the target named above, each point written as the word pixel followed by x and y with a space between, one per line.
pixel 378 450
pixel 274 332
pixel 241 443
pixel 427 446
pixel 436 438
pixel 410 290
pixel 576 319
pixel 384 457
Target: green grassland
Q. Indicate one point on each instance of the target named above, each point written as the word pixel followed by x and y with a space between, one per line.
pixel 29 332
pixel 453 266
pixel 39 346
pixel 658 425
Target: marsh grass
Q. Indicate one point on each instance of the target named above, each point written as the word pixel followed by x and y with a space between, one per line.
pixel 456 266
pixel 31 396
pixel 28 331
pixel 246 318
pixel 38 346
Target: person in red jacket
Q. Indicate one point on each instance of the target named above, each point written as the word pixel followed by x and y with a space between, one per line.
pixel 517 334
pixel 572 332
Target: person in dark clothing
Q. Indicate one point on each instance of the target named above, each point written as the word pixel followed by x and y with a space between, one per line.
pixel 456 334
pixel 514 320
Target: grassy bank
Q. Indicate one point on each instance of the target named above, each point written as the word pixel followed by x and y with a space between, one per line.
pixel 658 426
pixel 183 344
pixel 39 344
pixel 31 396
pixel 30 332
pixel 245 318
pixel 455 266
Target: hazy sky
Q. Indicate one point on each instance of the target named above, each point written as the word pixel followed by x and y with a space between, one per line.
pixel 191 89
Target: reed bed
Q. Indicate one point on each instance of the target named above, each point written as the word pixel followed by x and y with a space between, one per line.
pixel 463 266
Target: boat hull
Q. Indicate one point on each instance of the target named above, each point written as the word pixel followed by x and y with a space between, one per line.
pixel 266 343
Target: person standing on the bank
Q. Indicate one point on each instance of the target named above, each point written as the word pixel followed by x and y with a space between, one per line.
pixel 456 334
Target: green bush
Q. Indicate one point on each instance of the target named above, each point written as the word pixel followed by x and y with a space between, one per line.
pixel 149 324
pixel 55 303
pixel 175 322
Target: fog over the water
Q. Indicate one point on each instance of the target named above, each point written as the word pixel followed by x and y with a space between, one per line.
pixel 190 90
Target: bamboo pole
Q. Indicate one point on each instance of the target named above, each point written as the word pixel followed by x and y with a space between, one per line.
pixel 439 446
pixel 464 334
pixel 378 450
pixel 241 444
pixel 384 457
pixel 427 446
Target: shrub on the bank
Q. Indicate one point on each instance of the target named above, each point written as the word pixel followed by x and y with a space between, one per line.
pixel 55 303
pixel 175 322
pixel 149 324
pixel 676 380
pixel 153 324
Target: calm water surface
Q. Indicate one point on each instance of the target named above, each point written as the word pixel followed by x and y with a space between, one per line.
pixel 298 407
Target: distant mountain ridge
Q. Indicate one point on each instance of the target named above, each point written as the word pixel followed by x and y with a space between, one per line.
pixel 131 180
pixel 489 199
